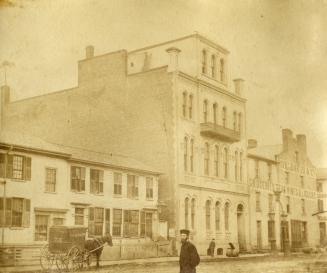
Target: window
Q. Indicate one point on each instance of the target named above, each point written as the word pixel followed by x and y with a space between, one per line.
pixel 240 122
pixel 96 219
pixel 107 221
pixel 225 163
pixel 41 227
pixel 216 160
pixel 287 177
pixel 190 107
pixel 50 180
pixel 118 184
pixel 213 66
pixel 217 216
pixel 215 107
pixel 236 166
pixel 222 70
pixel 302 181
pixel 208 207
pixel 227 216
pixel 205 111
pixel 184 104
pixel 193 213
pixel 96 181
pixel 320 205
pixel 117 222
pixel 131 223
pixel 185 153
pixel 191 155
pixel 234 121
pixel 270 204
pixel 256 168
pixel 271 230
pixel 288 204
pixel 146 224
pixel 257 201
pixel 15 166
pixel 149 188
pixel 224 117
pixel 79 216
pixel 269 171
pixel 204 61
pixel 77 179
pixel 17 212
pixel 206 158
pixel 186 213
pixel 132 186
pixel 241 166
pixel 303 206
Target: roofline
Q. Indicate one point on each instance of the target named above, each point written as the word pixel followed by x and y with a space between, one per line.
pixel 121 51
pixel 199 81
pixel 212 43
pixel 262 158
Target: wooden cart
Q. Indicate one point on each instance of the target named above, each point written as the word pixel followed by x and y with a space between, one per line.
pixel 65 250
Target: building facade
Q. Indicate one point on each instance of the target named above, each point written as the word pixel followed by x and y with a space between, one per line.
pixel 49 185
pixel 322 203
pixel 282 182
pixel 172 106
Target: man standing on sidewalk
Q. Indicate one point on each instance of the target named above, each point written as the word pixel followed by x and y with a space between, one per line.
pixel 189 257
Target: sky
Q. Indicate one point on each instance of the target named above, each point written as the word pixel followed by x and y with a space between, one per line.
pixel 278 47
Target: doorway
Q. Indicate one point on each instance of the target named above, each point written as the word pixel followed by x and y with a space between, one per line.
pixel 241 227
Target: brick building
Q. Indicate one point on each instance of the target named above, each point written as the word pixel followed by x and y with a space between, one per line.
pixel 169 105
pixel 283 203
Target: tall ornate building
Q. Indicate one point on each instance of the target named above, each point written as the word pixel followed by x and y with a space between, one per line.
pixel 170 105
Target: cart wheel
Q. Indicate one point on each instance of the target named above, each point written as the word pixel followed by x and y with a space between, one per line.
pixel 75 259
pixel 47 260
pixel 62 262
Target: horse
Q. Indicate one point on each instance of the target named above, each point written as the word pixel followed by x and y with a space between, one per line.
pixel 95 247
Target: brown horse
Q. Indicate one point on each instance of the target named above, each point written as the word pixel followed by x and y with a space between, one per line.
pixel 95 247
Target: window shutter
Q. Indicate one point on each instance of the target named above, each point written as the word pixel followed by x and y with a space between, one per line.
pixel 91 221
pixel 9 166
pixel 2 165
pixel 92 181
pixel 72 180
pixel 82 181
pixel 126 222
pixel 8 212
pixel 101 181
pixel 107 228
pixel 26 213
pixel 27 168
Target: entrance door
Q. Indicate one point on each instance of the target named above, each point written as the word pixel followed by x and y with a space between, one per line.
pixel 259 238
pixel 240 227
pixel 284 236
pixel 322 228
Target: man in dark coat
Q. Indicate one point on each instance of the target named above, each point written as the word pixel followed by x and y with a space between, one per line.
pixel 189 257
pixel 211 248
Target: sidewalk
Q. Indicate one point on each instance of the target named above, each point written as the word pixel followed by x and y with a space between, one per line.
pixel 147 261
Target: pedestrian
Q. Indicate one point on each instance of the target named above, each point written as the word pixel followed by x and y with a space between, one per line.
pixel 189 257
pixel 211 249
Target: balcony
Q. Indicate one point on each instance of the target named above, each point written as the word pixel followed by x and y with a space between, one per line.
pixel 217 131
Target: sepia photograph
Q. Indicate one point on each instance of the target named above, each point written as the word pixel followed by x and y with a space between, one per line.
pixel 169 136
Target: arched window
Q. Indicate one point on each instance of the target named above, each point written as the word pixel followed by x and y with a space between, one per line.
pixel 192 213
pixel 236 166
pixel 225 163
pixel 213 66
pixel 216 160
pixel 217 216
pixel 235 121
pixel 241 166
pixel 204 61
pixel 185 153
pixel 205 111
pixel 206 158
pixel 224 117
pixel 184 104
pixel 222 70
pixel 226 212
pixel 240 122
pixel 215 107
pixel 191 155
pixel 190 107
pixel 208 205
pixel 186 212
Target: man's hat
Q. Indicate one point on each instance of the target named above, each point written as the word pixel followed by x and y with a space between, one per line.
pixel 185 231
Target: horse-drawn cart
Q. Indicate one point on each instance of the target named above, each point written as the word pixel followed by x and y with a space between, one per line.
pixel 65 250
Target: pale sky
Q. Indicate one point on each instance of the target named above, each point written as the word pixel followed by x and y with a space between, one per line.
pixel 278 47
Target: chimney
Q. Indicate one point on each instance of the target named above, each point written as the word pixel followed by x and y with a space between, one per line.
pixel 287 139
pixel 4 99
pixel 173 55
pixel 239 86
pixel 252 143
pixel 302 143
pixel 89 52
